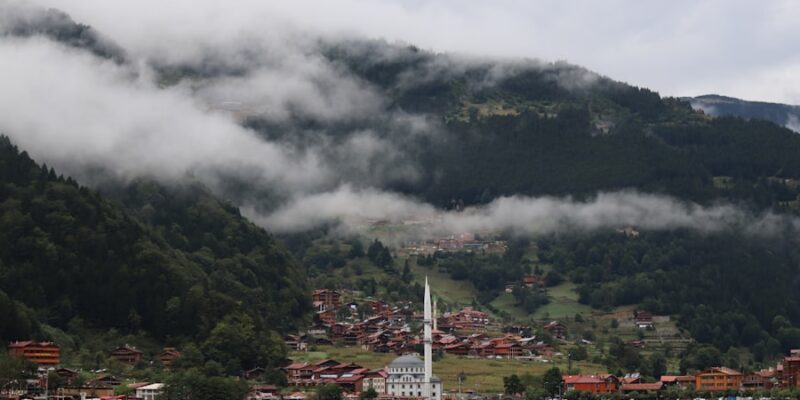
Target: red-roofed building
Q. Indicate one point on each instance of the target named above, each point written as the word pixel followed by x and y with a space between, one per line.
pixel 457 349
pixel 297 374
pixel 790 376
pixel 591 383
pixel 509 350
pixel 41 353
pixel 351 382
pixel 532 280
pixel 682 381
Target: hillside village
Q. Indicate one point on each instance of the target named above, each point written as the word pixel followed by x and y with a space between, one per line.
pixel 395 328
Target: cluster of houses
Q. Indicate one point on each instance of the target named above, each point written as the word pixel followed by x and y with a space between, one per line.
pixel 47 356
pixel 786 374
pixel 463 242
pixel 387 330
pixel 350 376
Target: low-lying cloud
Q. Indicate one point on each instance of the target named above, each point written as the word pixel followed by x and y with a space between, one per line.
pixel 356 210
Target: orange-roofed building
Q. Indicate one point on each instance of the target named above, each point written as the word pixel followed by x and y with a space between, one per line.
pixel 40 353
pixel 591 383
pixel 718 379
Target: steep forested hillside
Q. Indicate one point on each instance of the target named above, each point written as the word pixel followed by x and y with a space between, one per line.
pixel 551 129
pixel 183 268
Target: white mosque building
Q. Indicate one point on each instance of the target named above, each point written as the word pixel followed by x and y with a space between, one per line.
pixel 408 376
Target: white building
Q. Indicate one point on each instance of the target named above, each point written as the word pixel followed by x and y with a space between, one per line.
pixel 149 392
pixel 408 376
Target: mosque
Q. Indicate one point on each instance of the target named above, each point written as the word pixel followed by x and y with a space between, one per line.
pixel 408 376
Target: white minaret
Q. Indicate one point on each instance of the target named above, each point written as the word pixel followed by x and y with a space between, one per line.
pixel 427 339
pixel 435 328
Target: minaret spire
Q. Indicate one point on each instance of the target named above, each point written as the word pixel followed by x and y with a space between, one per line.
pixel 427 340
pixel 435 311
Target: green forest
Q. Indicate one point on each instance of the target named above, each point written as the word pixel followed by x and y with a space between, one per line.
pixel 175 265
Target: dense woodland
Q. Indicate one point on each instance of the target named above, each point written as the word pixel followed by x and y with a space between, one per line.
pixel 180 267
pixel 727 289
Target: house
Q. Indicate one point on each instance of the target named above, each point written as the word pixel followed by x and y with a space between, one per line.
pixel 591 383
pixel 468 318
pixel 254 374
pixel 532 280
pixel 642 319
pixel 263 392
pixel 509 350
pixel 87 392
pixel 681 381
pixel 150 392
pixel 295 342
pixel 764 379
pixel 375 379
pixel 457 349
pixel 629 232
pixel 69 376
pixel 790 375
pixel 557 329
pixel 168 356
pixel 297 373
pixel 46 354
pixel 127 354
pixel 718 379
pixel 327 299
pixel 351 382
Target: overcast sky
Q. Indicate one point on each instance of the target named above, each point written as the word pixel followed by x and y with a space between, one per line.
pixel 748 49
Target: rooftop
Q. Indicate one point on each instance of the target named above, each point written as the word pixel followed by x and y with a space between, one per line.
pixel 407 361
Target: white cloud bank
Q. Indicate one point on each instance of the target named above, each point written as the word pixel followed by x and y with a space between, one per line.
pixel 740 48
pixel 353 210
pixel 77 112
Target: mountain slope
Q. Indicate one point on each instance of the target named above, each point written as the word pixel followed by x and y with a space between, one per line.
pixel 66 252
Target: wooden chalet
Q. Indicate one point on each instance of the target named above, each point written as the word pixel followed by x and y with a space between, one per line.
pixel 557 329
pixel 718 379
pixel 168 356
pixel 127 354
